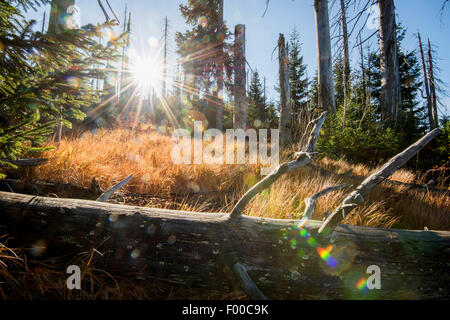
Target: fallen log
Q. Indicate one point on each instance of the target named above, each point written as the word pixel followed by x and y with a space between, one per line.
pixel 284 259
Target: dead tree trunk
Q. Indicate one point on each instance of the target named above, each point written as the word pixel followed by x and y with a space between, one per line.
pixel 432 87
pixel 346 73
pixel 285 105
pixel 164 85
pixel 219 71
pixel 240 79
pixel 363 74
pixel 425 81
pixel 326 100
pixel 57 13
pixel 390 82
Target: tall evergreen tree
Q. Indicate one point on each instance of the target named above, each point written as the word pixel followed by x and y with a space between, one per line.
pixel 411 121
pixel 298 80
pixel 257 109
pixel 200 47
pixel 43 78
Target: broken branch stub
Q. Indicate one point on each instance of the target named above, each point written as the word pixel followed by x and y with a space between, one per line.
pixel 247 283
pixel 356 198
pixel 108 194
pixel 303 159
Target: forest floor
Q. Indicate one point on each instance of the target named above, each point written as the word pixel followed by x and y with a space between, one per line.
pixel 112 155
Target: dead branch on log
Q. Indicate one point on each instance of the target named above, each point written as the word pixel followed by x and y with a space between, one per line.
pixel 419 187
pixel 247 283
pixel 356 198
pixel 311 201
pixel 303 159
pixel 108 194
pixel 26 162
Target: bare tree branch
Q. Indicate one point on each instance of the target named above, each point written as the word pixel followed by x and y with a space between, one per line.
pixel 311 201
pixel 356 198
pixel 303 159
pixel 247 283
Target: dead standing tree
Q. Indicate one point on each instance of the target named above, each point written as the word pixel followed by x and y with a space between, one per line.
pixel 240 79
pixel 426 84
pixel 389 64
pixel 432 81
pixel 285 103
pixel 346 72
pixel 59 9
pixel 220 68
pixel 325 63
pixel 282 259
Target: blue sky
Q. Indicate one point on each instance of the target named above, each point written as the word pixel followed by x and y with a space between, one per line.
pixel 281 17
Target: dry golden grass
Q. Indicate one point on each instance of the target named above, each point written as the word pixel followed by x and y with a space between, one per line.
pixel 111 156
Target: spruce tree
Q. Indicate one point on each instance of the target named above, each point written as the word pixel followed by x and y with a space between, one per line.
pixel 198 46
pixel 257 109
pixel 298 79
pixel 43 78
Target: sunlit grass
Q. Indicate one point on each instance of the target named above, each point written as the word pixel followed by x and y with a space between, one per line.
pixel 112 155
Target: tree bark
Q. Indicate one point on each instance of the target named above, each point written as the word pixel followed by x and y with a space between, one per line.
pixel 240 79
pixel 199 250
pixel 285 105
pixel 326 99
pixel 57 12
pixel 390 82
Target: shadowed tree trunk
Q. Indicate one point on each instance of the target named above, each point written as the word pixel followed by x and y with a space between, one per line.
pixel 432 82
pixel 240 79
pixel 346 73
pixel 390 72
pixel 219 75
pixel 326 100
pixel 57 12
pixel 285 106
pixel 425 81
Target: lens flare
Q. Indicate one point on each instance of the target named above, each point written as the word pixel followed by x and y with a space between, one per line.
pixel 361 284
pixel 326 256
pixel 203 21
pixel 302 223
